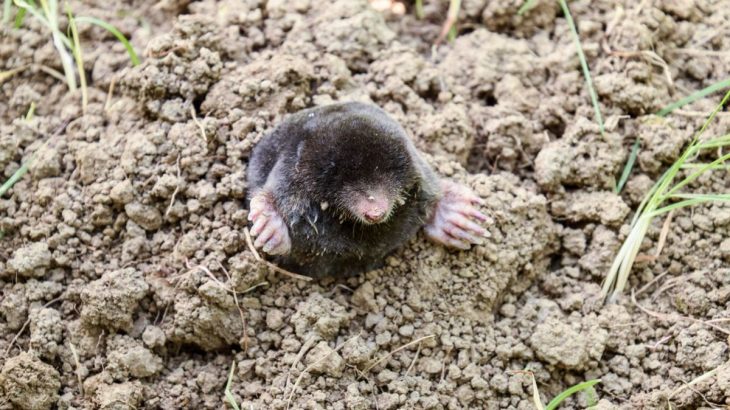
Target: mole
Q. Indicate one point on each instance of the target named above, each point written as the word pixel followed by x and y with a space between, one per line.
pixel 334 189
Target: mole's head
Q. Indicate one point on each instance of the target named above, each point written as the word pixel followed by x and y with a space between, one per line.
pixel 359 166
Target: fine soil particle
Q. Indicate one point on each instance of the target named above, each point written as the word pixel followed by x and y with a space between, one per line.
pixel 124 244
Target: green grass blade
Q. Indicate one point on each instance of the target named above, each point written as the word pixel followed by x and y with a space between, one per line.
pixel 118 34
pixel 78 56
pixel 707 197
pixel 229 395
pixel 19 17
pixel 583 64
pixel 14 178
pixel 701 165
pixel 6 11
pixel 526 7
pixel 678 205
pixel 554 403
pixel 31 111
pixel 720 85
pixel 6 75
pixel 31 7
pixel 419 9
pixel 696 175
pixel 629 166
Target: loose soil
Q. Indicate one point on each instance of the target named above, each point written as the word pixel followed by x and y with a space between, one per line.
pixel 127 282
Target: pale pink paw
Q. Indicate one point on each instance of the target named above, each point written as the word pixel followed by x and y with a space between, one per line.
pixel 456 220
pixel 269 227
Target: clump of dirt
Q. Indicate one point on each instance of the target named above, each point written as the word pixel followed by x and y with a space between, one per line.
pixel 28 383
pixel 127 281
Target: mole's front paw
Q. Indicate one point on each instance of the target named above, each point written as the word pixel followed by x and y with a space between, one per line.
pixel 453 222
pixel 268 227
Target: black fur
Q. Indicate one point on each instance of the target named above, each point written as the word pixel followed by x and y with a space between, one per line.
pixel 323 156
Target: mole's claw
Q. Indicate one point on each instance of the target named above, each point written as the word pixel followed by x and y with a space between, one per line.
pixel 441 236
pixel 463 235
pixel 279 244
pixel 455 220
pixel 258 224
pixel 268 226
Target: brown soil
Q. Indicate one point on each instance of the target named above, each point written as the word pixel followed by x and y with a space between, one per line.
pixel 123 244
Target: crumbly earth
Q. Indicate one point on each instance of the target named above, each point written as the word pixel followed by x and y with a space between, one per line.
pixel 127 283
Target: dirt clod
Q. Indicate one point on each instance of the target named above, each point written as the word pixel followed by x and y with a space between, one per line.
pixel 28 383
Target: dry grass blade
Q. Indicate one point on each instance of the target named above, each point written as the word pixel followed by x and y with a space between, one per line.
pixel 391 353
pixel 663 234
pixel 536 393
pixel 199 124
pixel 694 381
pixel 676 317
pixel 78 368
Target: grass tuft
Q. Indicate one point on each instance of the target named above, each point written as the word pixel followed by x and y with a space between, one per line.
pixel 48 16
pixel 68 45
pixel 666 196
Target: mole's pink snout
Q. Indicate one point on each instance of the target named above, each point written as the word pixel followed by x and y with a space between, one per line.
pixel 373 208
